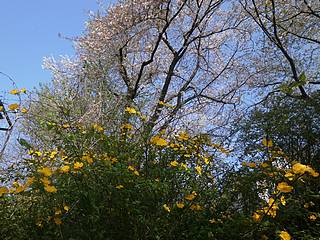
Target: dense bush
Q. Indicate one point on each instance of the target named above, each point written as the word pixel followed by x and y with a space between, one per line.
pixel 100 185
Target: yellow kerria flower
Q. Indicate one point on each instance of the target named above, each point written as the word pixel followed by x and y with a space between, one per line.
pixel 212 221
pixel 191 196
pixel 267 142
pixel 284 235
pixel 184 166
pixel 289 175
pixel 23 90
pixel 165 207
pixel 183 136
pixel 1 108
pixel 135 172
pixel 3 190
pixel 299 168
pixel 58 212
pixel 174 163
pixel 131 110
pixel 158 141
pixel 78 165
pixel 24 110
pixel 87 158
pixel 198 170
pixel 38 153
pixel 97 127
pixel 66 208
pixel 312 217
pixel 45 171
pixel 206 160
pixel 256 217
pixel 313 173
pixel 180 205
pixel 50 189
pixel 14 91
pixel 283 200
pixel 66 125
pixel 45 181
pixel 131 168
pixel 195 207
pixel 13 106
pixel 57 221
pixel 119 186
pixel 127 126
pixel 284 187
pixel 65 169
pixel 251 165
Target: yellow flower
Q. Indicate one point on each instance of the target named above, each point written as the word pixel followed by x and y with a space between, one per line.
pixel 284 187
pixel 119 186
pixel 283 200
pixel 45 171
pixel 97 127
pixel 66 208
pixel 313 173
pixel 256 217
pixel 57 221
pixel 267 142
pixel 174 163
pixel 29 182
pixel 58 212
pixel 251 165
pixel 195 207
pixel 158 141
pixel 1 108
pixel 131 168
pixel 184 166
pixel 135 172
pixel 127 126
pixel 66 125
pixel 24 110
pixel 180 205
pixel 23 90
pixel 38 153
pixel 131 110
pixel 14 91
pixel 20 189
pixel 87 158
pixel 206 160
pixel 166 208
pixel 3 190
pixel 45 181
pixel 65 169
pixel 212 221
pixel 13 106
pixel 284 235
pixel 183 136
pixel 191 196
pixel 50 189
pixel 299 168
pixel 312 217
pixel 289 175
pixel 264 165
pixel 198 170
pixel 78 165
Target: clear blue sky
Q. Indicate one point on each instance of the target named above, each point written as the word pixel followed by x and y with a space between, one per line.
pixel 29 31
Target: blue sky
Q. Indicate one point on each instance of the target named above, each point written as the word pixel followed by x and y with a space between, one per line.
pixel 29 31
